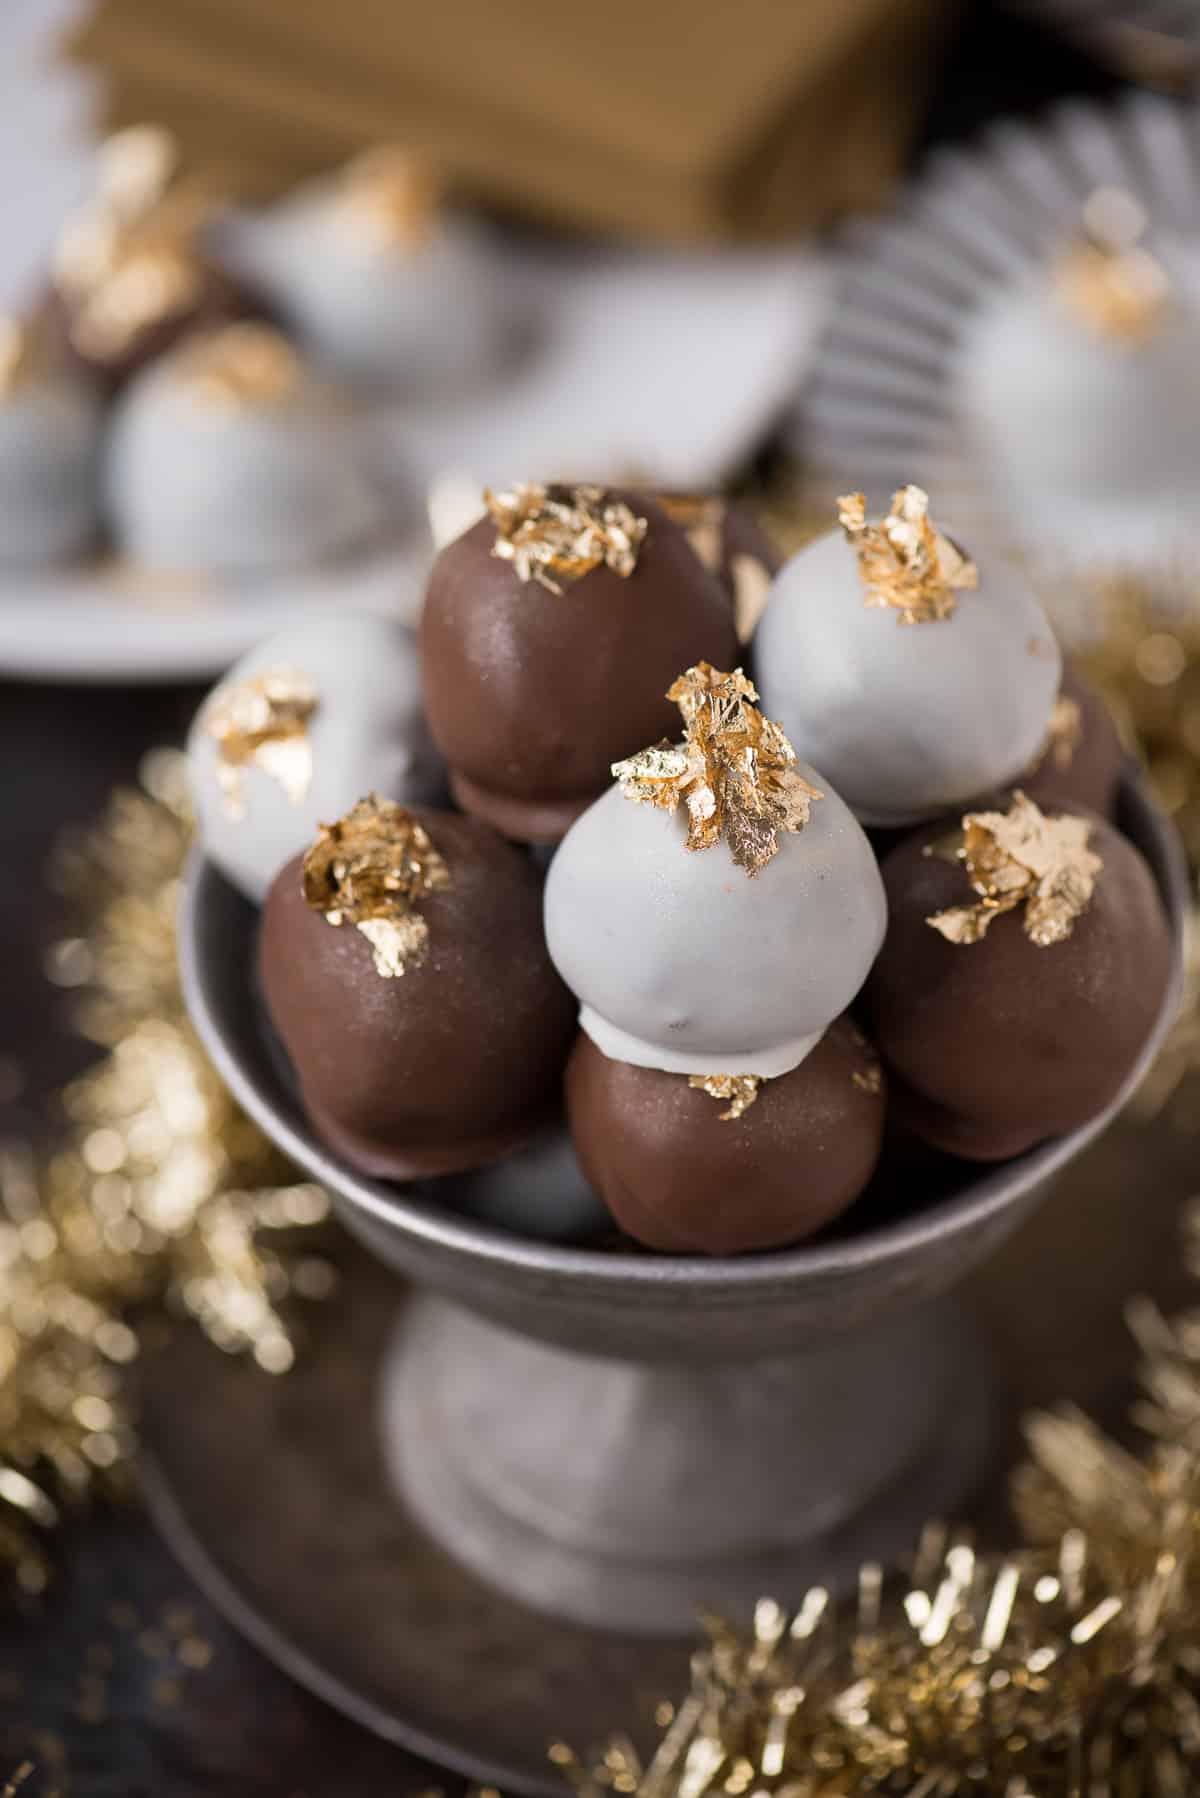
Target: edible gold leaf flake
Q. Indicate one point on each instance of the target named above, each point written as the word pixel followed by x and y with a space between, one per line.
pixel 391 196
pixel 556 535
pixel 136 167
pixel 1021 857
pixel 372 869
pixel 145 284
pixel 1108 282
pixel 905 562
pixel 869 1080
pixel 735 770
pixel 1064 734
pixel 263 722
pixel 242 365
pixel 740 1090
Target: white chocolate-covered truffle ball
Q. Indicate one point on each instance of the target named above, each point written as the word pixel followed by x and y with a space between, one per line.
pixel 538 1192
pixel 906 719
pixel 1091 439
pixel 377 282
pixel 50 429
pixel 229 456
pixel 682 961
pixel 301 729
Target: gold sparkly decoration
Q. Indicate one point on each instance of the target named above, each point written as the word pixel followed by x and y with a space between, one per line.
pixel 556 535
pixel 735 770
pixel 1021 857
pixel 146 284
pixel 160 1191
pixel 905 562
pixel 869 1080
pixel 262 722
pixel 392 197
pixel 372 869
pixel 1108 282
pixel 738 1091
pixel 242 365
pixel 1063 736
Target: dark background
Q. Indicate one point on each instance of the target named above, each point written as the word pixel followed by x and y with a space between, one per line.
pixel 90 1686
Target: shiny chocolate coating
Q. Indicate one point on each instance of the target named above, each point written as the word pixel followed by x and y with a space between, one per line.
pixel 531 695
pixel 993 1046
pixel 456 1062
pixel 680 1177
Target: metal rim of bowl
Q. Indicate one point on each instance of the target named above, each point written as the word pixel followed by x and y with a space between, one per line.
pixel 996 1188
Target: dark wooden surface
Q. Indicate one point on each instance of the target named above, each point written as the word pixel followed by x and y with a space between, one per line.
pixel 122 1682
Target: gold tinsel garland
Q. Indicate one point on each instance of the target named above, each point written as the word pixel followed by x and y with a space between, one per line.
pixel 161 1191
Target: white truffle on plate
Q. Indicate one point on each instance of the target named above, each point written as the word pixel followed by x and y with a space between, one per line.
pixel 913 680
pixel 229 456
pixel 1079 389
pixel 539 1192
pixel 376 280
pixel 301 729
pixel 731 956
pixel 50 428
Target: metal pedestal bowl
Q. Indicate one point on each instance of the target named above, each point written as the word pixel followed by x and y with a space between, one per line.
pixel 617 1438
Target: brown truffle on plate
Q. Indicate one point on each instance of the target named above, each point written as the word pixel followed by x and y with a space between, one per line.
pixel 132 273
pixel 551 632
pixel 1081 760
pixel 722 1164
pixel 1026 960
pixel 731 544
pixel 402 964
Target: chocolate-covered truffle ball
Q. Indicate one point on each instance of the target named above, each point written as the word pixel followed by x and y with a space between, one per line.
pixel 551 632
pixel 911 679
pixel 1017 986
pixel 230 456
pixel 735 1165
pixel 731 544
pixel 378 281
pixel 541 1191
pixel 1081 761
pixel 298 730
pixel 50 431
pixel 1080 390
pixel 132 272
pixel 720 907
pixel 402 964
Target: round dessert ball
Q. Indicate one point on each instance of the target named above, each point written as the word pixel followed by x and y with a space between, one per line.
pixel 50 432
pixel 298 730
pixel 731 544
pixel 1092 437
pixel 993 1045
pixel 378 283
pixel 682 962
pixel 540 1191
pixel 681 1174
pixel 229 456
pixel 1082 759
pixel 456 1060
pixel 906 719
pixel 532 693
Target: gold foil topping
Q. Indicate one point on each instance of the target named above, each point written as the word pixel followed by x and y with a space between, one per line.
pixel 1108 281
pixel 391 197
pixel 905 562
pixel 241 366
pixel 372 869
pixel 869 1080
pixel 1021 857
pixel 262 722
pixel 136 168
pixel 145 284
pixel 556 535
pixel 741 1090
pixel 734 770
